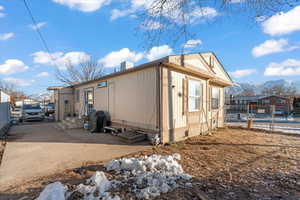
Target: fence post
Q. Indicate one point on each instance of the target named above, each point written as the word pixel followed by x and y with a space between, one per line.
pixel 272 115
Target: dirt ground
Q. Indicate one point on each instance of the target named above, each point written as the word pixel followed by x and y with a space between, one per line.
pixel 50 150
pixel 2 147
pixel 230 164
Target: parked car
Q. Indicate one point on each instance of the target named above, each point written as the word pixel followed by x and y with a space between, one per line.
pixel 32 112
pixel 50 109
pixel 16 113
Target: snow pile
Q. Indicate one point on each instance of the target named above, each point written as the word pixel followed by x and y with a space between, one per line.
pixel 151 175
pixel 53 191
pixel 154 163
pixel 146 177
pixel 96 186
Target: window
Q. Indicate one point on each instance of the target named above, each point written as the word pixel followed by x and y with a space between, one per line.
pixel 89 101
pixel 281 101
pixel 266 101
pixel 194 95
pixel 215 98
pixel 102 84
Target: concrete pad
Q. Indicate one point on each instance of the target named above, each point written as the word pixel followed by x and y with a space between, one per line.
pixel 39 149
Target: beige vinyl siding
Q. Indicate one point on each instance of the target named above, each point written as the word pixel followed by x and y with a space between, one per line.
pixel 129 98
pixel 179 116
pixel 65 94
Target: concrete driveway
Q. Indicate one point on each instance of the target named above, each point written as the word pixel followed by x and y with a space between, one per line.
pixel 39 149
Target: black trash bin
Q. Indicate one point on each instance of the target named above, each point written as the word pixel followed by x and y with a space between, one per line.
pixel 98 120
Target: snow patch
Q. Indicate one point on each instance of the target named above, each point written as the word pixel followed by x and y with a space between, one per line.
pixel 145 177
pixel 151 175
pixel 53 191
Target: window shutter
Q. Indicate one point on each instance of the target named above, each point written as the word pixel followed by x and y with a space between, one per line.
pixel 184 96
pixel 201 97
pixel 209 97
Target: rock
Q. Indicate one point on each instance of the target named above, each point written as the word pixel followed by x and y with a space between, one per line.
pixel 75 196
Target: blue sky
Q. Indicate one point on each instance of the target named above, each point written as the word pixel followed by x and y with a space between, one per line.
pixel 106 31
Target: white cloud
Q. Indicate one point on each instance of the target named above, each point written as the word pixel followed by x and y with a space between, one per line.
pixel 12 66
pixel 6 36
pixel 289 67
pixel 42 74
pixel 158 52
pixel 237 1
pixel 151 25
pixel 83 5
pixel 191 44
pixel 272 46
pixel 172 13
pixel 1 9
pixel 116 13
pixel 242 73
pixel 38 25
pixel 200 14
pixel 114 58
pixel 283 23
pixel 19 82
pixel 60 59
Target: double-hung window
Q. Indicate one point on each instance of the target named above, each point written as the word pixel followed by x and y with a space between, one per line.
pixel 194 99
pixel 215 97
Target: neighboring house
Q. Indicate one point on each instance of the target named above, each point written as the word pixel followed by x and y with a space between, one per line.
pixel 259 104
pixel 282 105
pixel 296 106
pixel 177 96
pixel 4 111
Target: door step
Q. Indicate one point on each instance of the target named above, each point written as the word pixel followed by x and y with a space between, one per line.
pixel 113 129
pixel 132 137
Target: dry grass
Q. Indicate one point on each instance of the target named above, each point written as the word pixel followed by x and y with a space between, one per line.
pixel 230 164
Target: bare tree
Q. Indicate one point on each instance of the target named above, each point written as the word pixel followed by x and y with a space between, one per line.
pixel 247 92
pixel 172 19
pixel 84 71
pixel 8 87
pixel 280 89
pixel 12 90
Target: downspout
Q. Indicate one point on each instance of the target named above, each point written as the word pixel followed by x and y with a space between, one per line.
pixel 159 100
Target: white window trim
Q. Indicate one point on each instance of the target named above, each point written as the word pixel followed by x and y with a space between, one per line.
pixel 194 96
pixel 211 98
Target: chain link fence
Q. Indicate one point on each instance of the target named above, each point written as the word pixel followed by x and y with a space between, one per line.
pixel 4 115
pixel 265 117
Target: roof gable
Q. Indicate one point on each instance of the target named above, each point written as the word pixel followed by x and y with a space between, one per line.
pixel 205 62
pixel 216 66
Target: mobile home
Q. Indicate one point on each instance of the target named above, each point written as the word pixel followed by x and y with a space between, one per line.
pixel 176 97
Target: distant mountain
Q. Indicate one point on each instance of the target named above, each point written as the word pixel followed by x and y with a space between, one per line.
pixel 234 90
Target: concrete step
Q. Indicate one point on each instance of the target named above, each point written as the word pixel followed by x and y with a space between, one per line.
pixel 70 125
pixel 74 120
pixel 60 126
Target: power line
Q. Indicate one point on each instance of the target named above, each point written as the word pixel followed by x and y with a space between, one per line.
pixel 35 25
pixel 38 31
